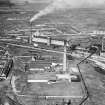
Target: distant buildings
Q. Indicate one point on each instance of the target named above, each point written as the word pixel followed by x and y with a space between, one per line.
pixel 5 3
pixel 95 32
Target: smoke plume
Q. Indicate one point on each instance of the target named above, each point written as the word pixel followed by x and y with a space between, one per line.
pixel 67 4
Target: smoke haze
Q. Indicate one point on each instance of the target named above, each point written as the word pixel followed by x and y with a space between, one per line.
pixel 67 4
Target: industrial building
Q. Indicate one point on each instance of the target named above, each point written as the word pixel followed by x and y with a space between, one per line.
pixel 6 66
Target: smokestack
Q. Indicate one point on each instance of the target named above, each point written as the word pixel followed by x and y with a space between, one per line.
pixel 67 4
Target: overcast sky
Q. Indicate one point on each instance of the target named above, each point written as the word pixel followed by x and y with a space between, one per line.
pixel 67 3
pixel 77 1
pixel 20 1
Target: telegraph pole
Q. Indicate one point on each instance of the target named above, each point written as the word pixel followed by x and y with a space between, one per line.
pixel 30 39
pixel 64 58
pixel 103 43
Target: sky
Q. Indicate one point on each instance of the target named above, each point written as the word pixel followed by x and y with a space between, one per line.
pixel 67 4
pixel 76 2
pixel 21 1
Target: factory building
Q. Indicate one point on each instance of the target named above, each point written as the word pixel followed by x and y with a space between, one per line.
pixel 5 68
pixel 39 65
pixel 47 40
